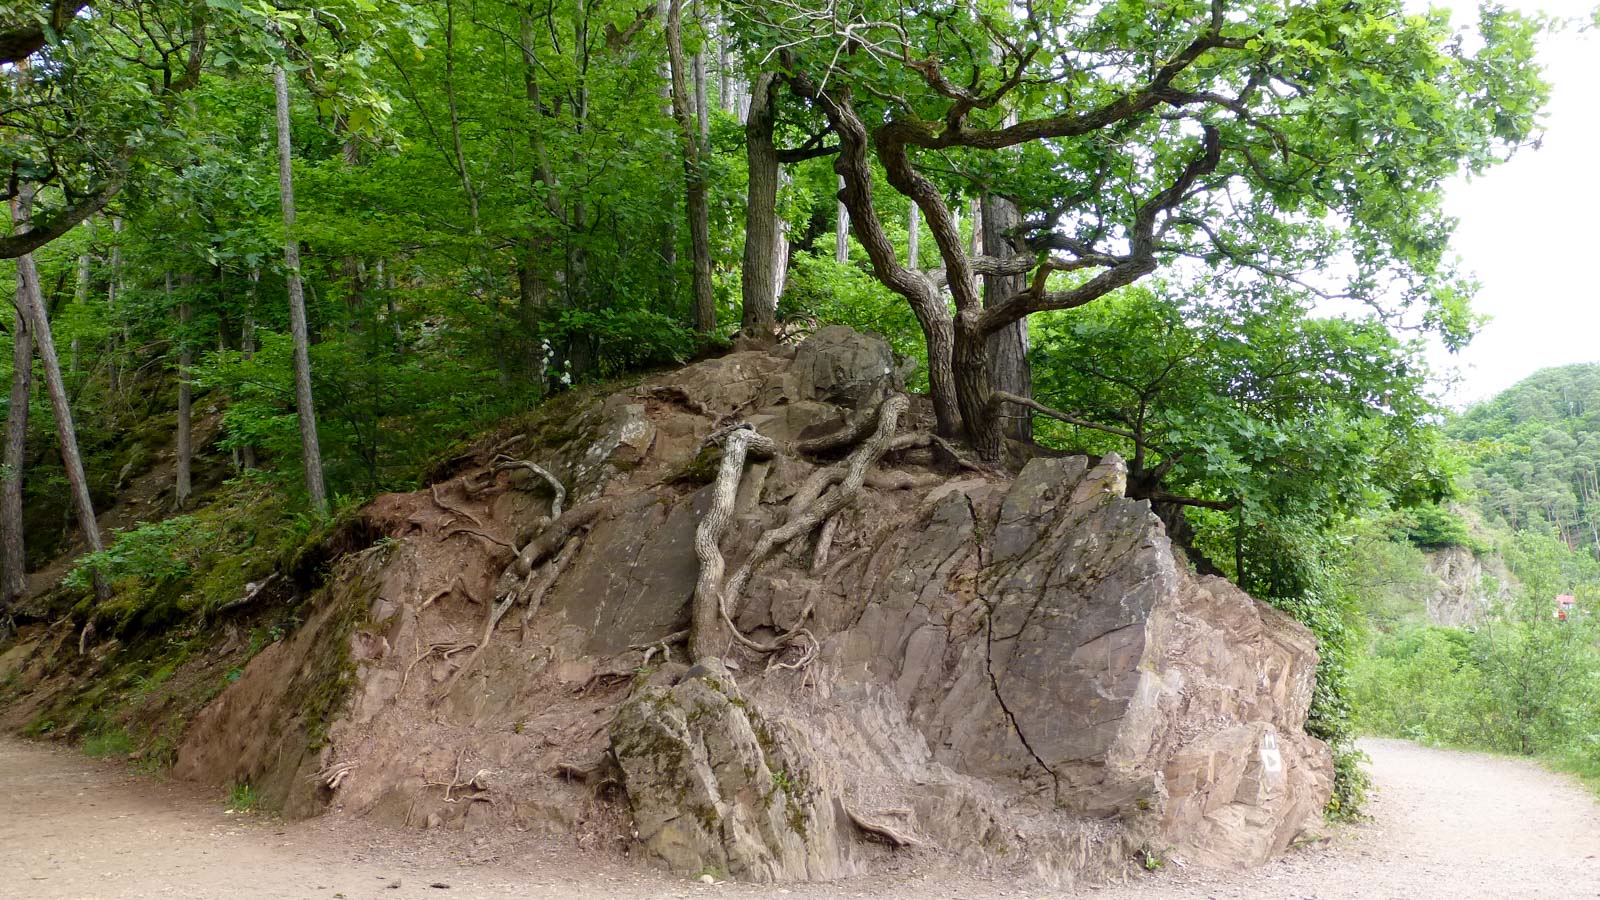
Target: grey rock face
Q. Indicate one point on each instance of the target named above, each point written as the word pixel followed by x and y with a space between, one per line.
pixel 716 787
pixel 839 365
pixel 1468 587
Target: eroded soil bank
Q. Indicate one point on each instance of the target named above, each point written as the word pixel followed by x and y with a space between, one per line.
pixel 1446 825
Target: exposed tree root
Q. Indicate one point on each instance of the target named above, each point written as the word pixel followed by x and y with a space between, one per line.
pixel 506 463
pixel 814 513
pixel 456 782
pixel 664 645
pixel 854 431
pixel 251 591
pixel 819 556
pixel 499 449
pixel 529 591
pixel 462 529
pixel 736 443
pixel 550 540
pixel 455 585
pixel 445 649
pixel 452 508
pixel 334 775
pixel 811 507
pixel 915 439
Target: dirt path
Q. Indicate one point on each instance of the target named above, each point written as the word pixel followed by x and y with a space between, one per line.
pixel 1446 825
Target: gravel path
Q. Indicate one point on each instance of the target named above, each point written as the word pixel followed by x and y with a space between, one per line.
pixel 1445 825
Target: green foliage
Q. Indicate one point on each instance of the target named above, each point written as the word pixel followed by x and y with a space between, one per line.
pixel 154 552
pixel 1434 526
pixel 1256 403
pixel 1535 453
pixel 1520 682
pixel 243 798
pixel 113 742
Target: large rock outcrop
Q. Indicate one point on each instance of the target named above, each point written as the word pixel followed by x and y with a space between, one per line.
pixel 1469 586
pixel 1010 672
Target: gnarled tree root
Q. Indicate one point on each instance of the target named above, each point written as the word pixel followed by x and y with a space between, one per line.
pixel 525 589
pixel 713 599
pixel 559 493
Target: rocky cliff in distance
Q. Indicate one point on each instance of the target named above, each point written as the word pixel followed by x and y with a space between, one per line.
pixel 1469 586
pixel 1013 673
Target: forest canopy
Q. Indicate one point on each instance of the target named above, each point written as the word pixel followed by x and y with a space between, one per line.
pixel 315 247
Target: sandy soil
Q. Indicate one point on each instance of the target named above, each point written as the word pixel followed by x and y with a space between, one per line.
pixel 1445 825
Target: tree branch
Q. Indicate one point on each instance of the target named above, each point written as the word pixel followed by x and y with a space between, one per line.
pixel 1000 397
pixel 19 40
pixel 15 245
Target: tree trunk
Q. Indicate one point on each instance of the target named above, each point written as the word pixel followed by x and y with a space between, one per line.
pixel 932 313
pixel 80 296
pixel 763 235
pixel 725 98
pixel 841 231
pixel 247 349
pixel 913 236
pixel 13 550
pixel 310 447
pixel 705 303
pixel 702 105
pixel 973 389
pixel 32 306
pixel 1008 348
pixel 185 399
pixel 113 288
pixel 455 117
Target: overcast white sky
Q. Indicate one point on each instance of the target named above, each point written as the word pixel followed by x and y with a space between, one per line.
pixel 1530 229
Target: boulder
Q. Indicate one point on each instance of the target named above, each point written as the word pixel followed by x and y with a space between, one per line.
pixel 717 788
pixel 842 366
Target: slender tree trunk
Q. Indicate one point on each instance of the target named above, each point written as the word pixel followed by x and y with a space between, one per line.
pixel 113 288
pixel 763 234
pixel 533 289
pixel 455 117
pixel 80 296
pixel 705 303
pixel 1008 348
pixel 32 305
pixel 702 106
pixel 310 447
pixel 13 550
pixel 841 231
pixel 725 98
pixel 669 221
pixel 185 399
pixel 247 349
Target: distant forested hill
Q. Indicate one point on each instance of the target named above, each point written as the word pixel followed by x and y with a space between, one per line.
pixel 1535 454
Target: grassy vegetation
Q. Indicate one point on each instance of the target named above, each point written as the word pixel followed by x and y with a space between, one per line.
pixel 1517 680
pixel 243 798
pixel 182 629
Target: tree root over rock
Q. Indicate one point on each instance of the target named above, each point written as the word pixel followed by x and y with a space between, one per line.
pixel 527 591
pixel 813 505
